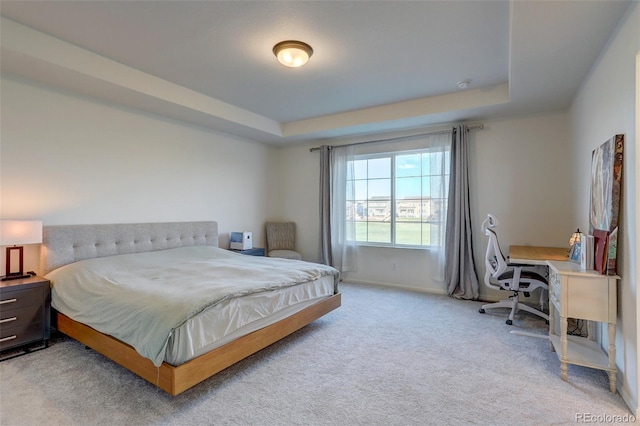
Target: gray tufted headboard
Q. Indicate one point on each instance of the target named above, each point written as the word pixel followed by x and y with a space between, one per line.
pixel 64 244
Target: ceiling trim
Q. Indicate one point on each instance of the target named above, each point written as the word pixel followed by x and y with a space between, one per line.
pixel 412 109
pixel 20 42
pixel 38 56
pixel 547 61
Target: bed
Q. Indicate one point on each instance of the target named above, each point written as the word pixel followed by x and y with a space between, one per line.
pixel 162 300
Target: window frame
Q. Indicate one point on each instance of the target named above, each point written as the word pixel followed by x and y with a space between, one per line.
pixel 392 156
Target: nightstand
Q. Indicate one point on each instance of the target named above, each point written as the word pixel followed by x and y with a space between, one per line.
pixel 25 306
pixel 256 251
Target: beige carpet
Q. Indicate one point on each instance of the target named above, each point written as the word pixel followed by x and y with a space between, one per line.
pixel 386 357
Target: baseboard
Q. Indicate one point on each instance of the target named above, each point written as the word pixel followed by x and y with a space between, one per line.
pixel 631 404
pixel 401 287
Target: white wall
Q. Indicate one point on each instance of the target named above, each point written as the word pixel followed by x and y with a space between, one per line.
pixel 297 199
pixel 69 159
pixel 605 106
pixel 518 171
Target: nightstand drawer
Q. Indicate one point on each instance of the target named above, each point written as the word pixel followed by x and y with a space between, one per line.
pixel 16 318
pixel 24 314
pixel 16 299
pixel 18 336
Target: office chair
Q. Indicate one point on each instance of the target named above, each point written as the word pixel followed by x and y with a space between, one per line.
pixel 501 275
pixel 281 237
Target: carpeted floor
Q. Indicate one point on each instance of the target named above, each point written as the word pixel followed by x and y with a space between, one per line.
pixel 386 357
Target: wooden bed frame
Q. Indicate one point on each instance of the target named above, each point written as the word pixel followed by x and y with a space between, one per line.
pixel 177 379
pixel 66 244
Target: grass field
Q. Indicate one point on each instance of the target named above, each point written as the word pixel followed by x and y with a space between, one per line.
pixel 407 233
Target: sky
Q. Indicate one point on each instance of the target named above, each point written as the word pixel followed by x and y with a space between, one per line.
pixel 373 176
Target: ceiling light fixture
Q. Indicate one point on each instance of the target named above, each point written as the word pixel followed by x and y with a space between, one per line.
pixel 292 53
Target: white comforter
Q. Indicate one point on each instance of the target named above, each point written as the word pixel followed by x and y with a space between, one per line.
pixel 140 298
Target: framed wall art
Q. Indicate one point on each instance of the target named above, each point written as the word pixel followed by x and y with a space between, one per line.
pixel 606 178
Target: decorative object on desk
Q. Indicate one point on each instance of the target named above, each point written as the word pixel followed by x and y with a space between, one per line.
pixel 612 251
pixel 587 244
pixel 16 233
pixel 606 176
pixel 601 238
pixel 575 238
pixel 574 246
pixel 241 240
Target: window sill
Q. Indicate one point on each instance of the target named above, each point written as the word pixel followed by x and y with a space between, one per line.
pixel 397 247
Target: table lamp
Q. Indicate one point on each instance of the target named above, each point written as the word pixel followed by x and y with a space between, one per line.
pixel 15 233
pixel 574 245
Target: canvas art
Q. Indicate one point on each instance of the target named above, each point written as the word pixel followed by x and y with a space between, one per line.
pixel 606 178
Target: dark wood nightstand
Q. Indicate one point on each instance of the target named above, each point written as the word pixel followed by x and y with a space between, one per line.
pixel 25 317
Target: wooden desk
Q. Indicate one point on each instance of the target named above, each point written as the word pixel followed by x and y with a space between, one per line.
pixel 530 255
pixel 576 293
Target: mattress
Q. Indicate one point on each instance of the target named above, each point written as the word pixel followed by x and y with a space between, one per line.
pixel 237 317
pixel 176 304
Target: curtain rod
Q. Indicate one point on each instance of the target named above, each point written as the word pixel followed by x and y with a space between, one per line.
pixel 438 132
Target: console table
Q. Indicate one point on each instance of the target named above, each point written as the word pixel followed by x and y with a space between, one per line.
pixel 587 295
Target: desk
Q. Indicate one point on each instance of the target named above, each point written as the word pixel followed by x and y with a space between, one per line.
pixel 576 293
pixel 579 294
pixel 529 255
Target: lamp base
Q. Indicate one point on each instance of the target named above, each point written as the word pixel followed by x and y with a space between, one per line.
pixel 14 277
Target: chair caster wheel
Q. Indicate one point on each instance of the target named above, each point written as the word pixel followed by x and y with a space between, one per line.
pixel 509 322
pixel 481 310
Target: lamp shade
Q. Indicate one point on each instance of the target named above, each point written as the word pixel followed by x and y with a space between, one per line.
pixel 15 232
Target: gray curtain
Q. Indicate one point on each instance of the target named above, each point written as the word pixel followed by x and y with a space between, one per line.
pixel 460 270
pixel 324 248
pixel 337 245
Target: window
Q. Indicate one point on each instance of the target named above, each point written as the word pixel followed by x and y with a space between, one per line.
pixel 398 198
